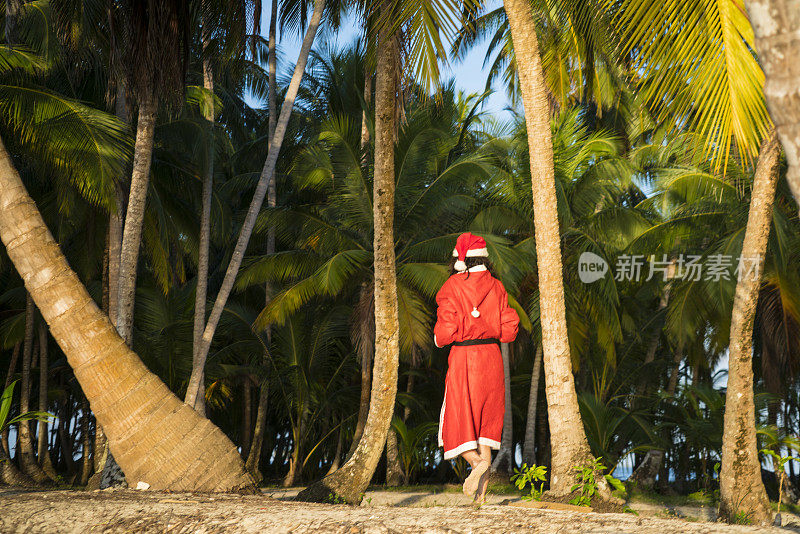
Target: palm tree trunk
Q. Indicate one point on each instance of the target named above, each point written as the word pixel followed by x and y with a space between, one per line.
pixel 777 30
pixel 272 60
pixel 9 376
pixel 134 216
pixel 114 246
pixel 254 457
pixel 64 418
pixel 741 487
pixel 155 437
pixel 267 175
pixel 504 461
pixel 43 453
pixel 9 473
pixel 13 7
pixel 394 471
pixel 644 476
pixel 337 456
pixel 86 439
pixel 27 458
pixel 569 444
pixel 294 459
pixel 529 447
pixel 350 481
pixel 247 417
pixel 642 389
pixel 363 406
pixel 364 143
pixel 201 291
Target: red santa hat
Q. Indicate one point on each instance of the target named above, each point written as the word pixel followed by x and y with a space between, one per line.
pixel 468 246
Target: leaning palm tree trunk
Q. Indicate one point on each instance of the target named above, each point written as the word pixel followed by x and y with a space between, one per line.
pixel 154 437
pixel 529 446
pixel 777 29
pixel 568 438
pixel 504 461
pixel 741 488
pixel 267 175
pixel 349 482
pixel 134 217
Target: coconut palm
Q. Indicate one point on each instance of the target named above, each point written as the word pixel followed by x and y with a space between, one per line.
pixel 566 428
pixel 194 389
pixel 772 23
pixel 439 172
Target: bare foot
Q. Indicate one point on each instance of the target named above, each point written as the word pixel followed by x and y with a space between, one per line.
pixel 483 485
pixel 471 483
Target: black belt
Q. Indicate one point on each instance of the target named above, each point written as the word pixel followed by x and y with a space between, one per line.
pixel 471 342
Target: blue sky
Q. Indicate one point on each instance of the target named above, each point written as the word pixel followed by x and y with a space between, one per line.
pixel 469 74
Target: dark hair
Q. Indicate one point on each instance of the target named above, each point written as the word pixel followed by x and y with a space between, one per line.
pixel 472 262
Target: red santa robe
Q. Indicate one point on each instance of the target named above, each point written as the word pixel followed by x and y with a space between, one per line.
pixel 474 398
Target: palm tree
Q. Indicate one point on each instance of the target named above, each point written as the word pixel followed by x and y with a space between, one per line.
pixel 28 462
pixel 140 416
pixel 570 446
pixel 152 58
pixel 711 55
pixel 773 24
pixel 741 487
pixel 195 387
pixel 349 481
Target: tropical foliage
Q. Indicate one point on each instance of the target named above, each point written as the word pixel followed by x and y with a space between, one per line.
pixel 650 166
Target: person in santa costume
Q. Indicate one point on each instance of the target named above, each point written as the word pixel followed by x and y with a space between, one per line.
pixel 474 317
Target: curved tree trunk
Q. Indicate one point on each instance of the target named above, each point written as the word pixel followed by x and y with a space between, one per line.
pixel 350 481
pixel 741 488
pixel 155 437
pixel 134 216
pixel 569 444
pixel 529 446
pixel 504 461
pixel 777 30
pixel 366 387
pixel 267 175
